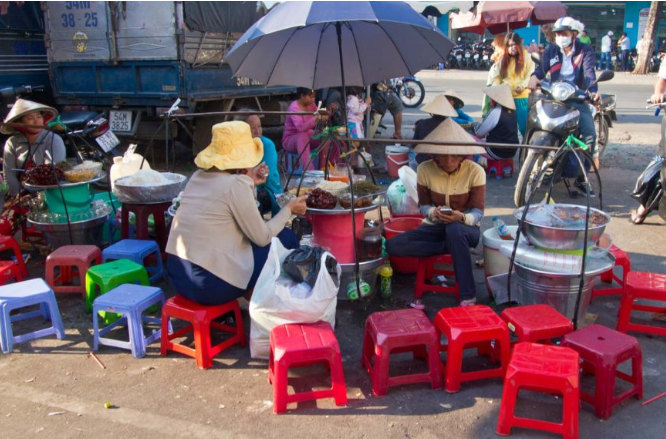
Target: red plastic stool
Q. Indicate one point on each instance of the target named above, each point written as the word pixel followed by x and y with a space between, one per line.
pixel 8 243
pixel 602 350
pixel 405 330
pixel 66 258
pixel 201 320
pixel 497 167
pixel 427 270
pixel 301 345
pixel 9 271
pixel 544 368
pixel 641 285
pixel 472 327
pixel 536 323
pixel 622 260
pixel 142 212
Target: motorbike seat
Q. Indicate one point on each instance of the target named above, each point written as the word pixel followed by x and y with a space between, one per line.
pixel 76 120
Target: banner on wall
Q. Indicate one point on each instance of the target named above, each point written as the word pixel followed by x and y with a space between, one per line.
pixel 642 22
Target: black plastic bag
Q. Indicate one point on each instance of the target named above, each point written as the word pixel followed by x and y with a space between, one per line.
pixel 304 263
pixel 648 189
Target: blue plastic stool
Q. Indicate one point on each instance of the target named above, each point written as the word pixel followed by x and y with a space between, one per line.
pixel 136 250
pixel 130 301
pixel 23 294
pixel 291 164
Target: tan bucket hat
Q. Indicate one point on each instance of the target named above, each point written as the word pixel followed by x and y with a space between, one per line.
pixel 232 147
pixel 457 100
pixel 440 106
pixel 22 107
pixel 501 94
pixel 449 131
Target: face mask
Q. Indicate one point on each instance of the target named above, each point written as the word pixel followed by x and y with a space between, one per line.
pixel 562 41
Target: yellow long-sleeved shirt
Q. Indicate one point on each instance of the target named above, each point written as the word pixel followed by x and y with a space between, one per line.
pixel 513 78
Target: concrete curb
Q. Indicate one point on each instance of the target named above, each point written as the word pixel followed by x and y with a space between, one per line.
pixel 620 77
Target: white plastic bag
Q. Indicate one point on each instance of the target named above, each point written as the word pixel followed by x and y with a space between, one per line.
pixel 273 304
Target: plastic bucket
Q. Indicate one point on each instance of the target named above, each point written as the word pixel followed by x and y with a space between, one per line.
pixel 394 227
pixel 397 156
pixel 495 262
pixel 76 198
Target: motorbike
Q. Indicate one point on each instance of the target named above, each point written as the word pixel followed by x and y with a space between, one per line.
pixel 550 122
pixel 86 134
pixel 410 90
pixel 604 114
pixel 649 187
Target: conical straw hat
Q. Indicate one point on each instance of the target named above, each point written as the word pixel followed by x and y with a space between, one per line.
pixel 22 107
pixel 501 94
pixel 458 102
pixel 440 106
pixel 449 131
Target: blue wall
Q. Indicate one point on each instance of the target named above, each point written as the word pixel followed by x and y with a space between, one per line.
pixel 443 23
pixel 631 12
pixel 529 33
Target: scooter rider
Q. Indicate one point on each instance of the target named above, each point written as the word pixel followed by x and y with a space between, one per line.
pixel 570 60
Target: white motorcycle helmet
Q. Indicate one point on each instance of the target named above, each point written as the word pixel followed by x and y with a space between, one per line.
pixel 567 23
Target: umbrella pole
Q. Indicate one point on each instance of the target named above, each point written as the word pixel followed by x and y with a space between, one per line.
pixel 338 31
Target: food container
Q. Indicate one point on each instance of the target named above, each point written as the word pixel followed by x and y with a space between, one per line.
pixel 127 193
pixel 560 226
pixel 83 172
pixel 345 200
pixel 369 244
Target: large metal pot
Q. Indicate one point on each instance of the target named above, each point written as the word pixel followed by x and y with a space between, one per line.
pixel 128 193
pixel 551 235
pixel 560 290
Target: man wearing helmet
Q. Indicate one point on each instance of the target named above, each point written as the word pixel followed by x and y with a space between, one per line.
pixel 572 61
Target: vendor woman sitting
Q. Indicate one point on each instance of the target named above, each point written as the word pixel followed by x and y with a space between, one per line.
pixel 219 242
pixel 450 181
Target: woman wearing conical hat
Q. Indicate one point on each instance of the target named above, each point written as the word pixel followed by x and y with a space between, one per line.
pixel 500 125
pixel 451 192
pixel 30 144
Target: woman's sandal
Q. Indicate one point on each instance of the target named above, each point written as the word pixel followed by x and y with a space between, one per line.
pixel 636 218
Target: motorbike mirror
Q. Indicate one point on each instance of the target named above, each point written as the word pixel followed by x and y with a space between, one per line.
pixel 606 75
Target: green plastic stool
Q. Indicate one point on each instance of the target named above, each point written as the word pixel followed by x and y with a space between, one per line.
pixel 109 275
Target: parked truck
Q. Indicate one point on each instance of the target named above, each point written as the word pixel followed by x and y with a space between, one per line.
pixel 135 59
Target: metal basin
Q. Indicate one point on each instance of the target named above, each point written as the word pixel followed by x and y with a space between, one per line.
pixel 86 232
pixel 149 194
pixel 565 235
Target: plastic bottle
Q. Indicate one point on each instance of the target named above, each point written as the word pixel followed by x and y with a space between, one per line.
pixel 126 165
pixel 501 228
pixel 385 287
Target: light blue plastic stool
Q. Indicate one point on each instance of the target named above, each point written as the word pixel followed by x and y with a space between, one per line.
pixel 136 250
pixel 22 294
pixel 130 301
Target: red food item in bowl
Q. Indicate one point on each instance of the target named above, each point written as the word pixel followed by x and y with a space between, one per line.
pixel 320 199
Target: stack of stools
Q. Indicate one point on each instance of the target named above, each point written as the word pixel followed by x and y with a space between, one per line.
pixel 622 260
pixel 139 251
pixel 541 368
pixel 103 278
pixel 200 318
pixel 23 294
pixel 131 301
pixel 536 323
pixel 427 269
pixel 7 243
pixel 642 286
pixel 472 327
pixel 602 350
pixel 142 212
pixel 301 345
pixel 66 259
pixel 390 332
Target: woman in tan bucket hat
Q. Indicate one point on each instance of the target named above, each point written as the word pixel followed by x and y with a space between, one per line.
pixel 30 144
pixel 452 192
pixel 219 242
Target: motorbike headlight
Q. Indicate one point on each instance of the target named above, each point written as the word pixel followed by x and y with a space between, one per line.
pixel 562 91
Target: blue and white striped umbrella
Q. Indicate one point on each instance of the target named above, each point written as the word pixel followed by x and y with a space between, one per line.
pixel 298 44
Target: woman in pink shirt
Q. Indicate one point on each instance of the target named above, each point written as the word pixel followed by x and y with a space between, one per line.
pixel 298 129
